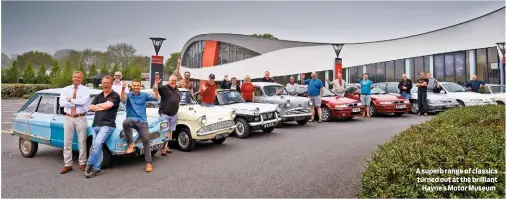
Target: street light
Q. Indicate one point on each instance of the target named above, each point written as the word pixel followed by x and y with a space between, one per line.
pixel 501 47
pixel 157 43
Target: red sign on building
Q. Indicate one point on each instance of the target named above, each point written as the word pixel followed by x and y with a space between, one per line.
pixel 155 59
pixel 338 67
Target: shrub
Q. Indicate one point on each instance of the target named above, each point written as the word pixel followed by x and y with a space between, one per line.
pixel 462 138
pixel 20 90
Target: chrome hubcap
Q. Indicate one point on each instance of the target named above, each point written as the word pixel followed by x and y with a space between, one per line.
pixel 240 128
pixel 325 114
pixel 25 146
pixel 183 139
pixel 372 110
pixel 414 108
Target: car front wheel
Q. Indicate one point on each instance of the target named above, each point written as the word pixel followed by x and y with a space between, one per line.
pixel 326 114
pixel 242 130
pixel 373 110
pixel 185 141
pixel 414 107
pixel 28 148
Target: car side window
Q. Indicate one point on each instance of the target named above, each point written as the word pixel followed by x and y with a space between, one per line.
pixel 391 88
pixel 258 91
pixel 197 97
pixel 32 107
pixel 382 86
pixel 46 105
pixel 485 90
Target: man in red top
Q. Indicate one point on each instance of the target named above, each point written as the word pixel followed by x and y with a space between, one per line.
pixel 208 92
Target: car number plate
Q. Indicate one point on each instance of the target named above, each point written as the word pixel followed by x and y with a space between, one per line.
pixel 400 106
pixel 448 106
pixel 220 136
pixel 269 125
pixel 356 110
pixel 154 147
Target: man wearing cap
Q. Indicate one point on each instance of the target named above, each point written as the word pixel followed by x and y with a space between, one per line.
pixel 208 91
pixel 117 85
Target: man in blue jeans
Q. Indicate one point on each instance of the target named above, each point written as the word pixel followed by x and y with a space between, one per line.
pixel 365 94
pixel 105 105
pixel 315 92
pixel 169 106
pixel 136 102
pixel 405 86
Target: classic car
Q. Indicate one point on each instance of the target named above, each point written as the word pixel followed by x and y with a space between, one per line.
pixel 496 91
pixel 249 116
pixel 40 121
pixel 465 97
pixel 335 106
pixel 381 101
pixel 292 108
pixel 436 102
pixel 197 123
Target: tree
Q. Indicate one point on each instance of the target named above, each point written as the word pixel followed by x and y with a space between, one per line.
pixel 142 62
pixel 171 63
pixel 81 68
pixel 12 75
pixel 29 74
pixel 136 73
pixel 265 36
pixel 115 68
pixel 123 52
pixel 5 60
pixel 75 58
pixel 104 70
pixel 37 58
pixel 127 73
pixel 42 77
pixel 55 70
pixel 93 71
pixel 64 78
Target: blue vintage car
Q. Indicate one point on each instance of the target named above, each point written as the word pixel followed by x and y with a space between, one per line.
pixel 40 120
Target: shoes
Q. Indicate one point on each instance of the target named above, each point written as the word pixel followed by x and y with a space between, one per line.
pixel 66 169
pixel 82 167
pixel 149 167
pixel 130 148
pixel 92 173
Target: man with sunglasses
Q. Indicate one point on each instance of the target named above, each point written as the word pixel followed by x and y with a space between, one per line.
pixel 117 85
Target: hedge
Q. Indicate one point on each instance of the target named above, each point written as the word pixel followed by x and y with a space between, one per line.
pixel 21 90
pixel 461 138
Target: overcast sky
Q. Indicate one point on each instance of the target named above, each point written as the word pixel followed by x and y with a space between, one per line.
pixel 51 26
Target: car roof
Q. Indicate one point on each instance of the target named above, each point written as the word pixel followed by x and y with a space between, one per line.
pixel 266 84
pixel 57 91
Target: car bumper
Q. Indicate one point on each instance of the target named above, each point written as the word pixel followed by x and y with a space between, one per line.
pixel 345 113
pixel 154 145
pixel 392 109
pixel 212 134
pixel 296 117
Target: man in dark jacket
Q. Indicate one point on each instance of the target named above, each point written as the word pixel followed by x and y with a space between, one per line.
pixel 225 84
pixel 405 86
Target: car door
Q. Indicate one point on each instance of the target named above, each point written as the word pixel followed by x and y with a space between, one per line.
pixel 57 127
pixel 40 120
pixel 197 97
pixel 259 96
pixel 20 123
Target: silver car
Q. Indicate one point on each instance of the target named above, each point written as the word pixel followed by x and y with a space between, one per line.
pixel 292 108
pixel 437 102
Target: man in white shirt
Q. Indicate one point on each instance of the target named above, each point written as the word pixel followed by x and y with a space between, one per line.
pixel 76 102
pixel 338 85
pixel 291 87
pixel 117 85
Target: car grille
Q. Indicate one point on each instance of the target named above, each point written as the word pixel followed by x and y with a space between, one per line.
pixel 298 111
pixel 268 116
pixel 352 105
pixel 217 126
pixel 398 102
pixel 152 136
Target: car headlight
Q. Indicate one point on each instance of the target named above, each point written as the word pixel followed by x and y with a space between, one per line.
pixel 278 109
pixel 359 104
pixel 164 125
pixel 233 114
pixel 386 103
pixel 311 102
pixel 287 103
pixel 257 111
pixel 341 106
pixel 264 115
pixel 203 119
pixel 406 101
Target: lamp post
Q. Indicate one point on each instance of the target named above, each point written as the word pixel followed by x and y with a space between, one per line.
pixel 502 68
pixel 156 61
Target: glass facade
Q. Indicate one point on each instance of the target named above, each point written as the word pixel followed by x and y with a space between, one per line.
pixel 193 56
pixel 283 80
pixel 451 66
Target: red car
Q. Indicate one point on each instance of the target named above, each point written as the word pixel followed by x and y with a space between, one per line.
pixel 381 101
pixel 335 106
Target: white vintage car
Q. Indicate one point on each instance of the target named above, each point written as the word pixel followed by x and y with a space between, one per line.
pixel 463 96
pixel 249 116
pixel 496 91
pixel 197 123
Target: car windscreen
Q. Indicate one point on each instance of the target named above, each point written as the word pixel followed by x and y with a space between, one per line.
pixel 377 91
pixel 328 93
pixel 186 98
pixel 453 87
pixel 275 90
pixel 497 89
pixel 229 97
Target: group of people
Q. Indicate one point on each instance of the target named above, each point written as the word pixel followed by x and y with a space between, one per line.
pixel 75 99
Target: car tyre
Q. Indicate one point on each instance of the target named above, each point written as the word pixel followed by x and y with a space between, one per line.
pixel 414 107
pixel 268 130
pixel 106 156
pixel 184 140
pixel 242 130
pixel 302 122
pixel 461 103
pixel 373 111
pixel 153 153
pixel 219 141
pixel 27 148
pixel 326 114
